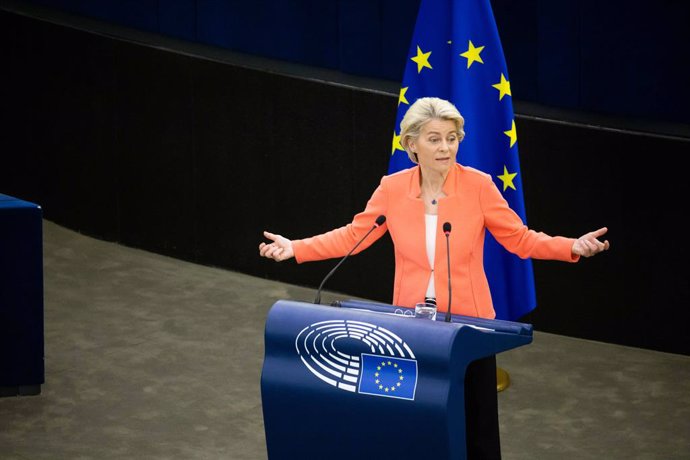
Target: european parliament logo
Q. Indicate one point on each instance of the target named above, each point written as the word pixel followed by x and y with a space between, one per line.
pixel 359 357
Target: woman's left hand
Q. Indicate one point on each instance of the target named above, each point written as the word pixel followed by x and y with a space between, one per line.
pixel 589 245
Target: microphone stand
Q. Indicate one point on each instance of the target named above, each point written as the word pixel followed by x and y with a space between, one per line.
pixel 446 230
pixel 379 221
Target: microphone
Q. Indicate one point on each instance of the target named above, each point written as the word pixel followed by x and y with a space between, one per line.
pixel 379 221
pixel 446 231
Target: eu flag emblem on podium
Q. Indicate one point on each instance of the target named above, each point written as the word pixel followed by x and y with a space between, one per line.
pixel 456 54
pixel 388 376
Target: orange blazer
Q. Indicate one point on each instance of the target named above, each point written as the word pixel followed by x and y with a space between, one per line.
pixel 473 204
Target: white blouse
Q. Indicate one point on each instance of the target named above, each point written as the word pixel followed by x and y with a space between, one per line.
pixel 431 224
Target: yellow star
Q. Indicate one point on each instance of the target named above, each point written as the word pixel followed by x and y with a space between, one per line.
pixel 402 377
pixel 472 54
pixel 395 364
pixel 389 363
pixel 398 383
pixel 395 146
pixel 422 59
pixel 378 368
pixel 376 374
pixel 392 388
pixel 402 98
pixel 400 371
pixel 377 381
pixel 380 387
pixel 503 87
pixel 512 134
pixel 386 390
pixel 507 179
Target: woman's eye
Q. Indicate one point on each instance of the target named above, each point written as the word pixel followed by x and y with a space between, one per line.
pixel 434 140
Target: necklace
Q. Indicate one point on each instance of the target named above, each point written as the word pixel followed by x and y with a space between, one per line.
pixel 434 195
pixel 434 199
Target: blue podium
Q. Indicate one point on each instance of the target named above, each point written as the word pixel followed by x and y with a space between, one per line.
pixel 369 380
pixel 21 297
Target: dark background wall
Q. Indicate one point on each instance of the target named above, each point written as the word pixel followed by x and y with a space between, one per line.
pixel 164 149
pixel 614 57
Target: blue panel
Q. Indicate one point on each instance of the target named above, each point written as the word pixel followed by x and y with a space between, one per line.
pixel 360 37
pixel 177 18
pixel 631 55
pixel 397 24
pixel 307 31
pixel 138 14
pixel 304 31
pixel 614 57
pixel 72 6
pixel 237 25
pixel 516 22
pixel 142 14
pixel 21 293
pixel 559 48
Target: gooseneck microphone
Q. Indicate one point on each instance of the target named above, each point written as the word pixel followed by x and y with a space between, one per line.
pixel 379 221
pixel 446 231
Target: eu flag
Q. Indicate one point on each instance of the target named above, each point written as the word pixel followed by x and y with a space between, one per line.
pixel 388 376
pixel 456 54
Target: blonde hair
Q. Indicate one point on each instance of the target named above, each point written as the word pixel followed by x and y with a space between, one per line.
pixel 420 113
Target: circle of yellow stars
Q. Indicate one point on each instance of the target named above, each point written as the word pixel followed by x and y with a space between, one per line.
pixel 377 374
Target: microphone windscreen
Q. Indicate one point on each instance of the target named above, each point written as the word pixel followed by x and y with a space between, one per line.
pixel 380 220
pixel 446 227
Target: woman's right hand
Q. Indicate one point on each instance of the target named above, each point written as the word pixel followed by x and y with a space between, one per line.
pixel 279 249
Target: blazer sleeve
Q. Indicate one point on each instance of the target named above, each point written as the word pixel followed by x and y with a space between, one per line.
pixel 338 242
pixel 509 230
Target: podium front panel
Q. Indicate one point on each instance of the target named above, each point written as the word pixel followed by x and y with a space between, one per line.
pixel 352 383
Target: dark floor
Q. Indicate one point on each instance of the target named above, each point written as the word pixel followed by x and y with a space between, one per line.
pixel 149 357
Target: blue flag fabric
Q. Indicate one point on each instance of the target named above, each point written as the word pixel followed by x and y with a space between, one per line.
pixel 388 376
pixel 456 54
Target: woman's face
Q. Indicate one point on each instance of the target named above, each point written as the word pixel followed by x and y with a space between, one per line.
pixel 437 145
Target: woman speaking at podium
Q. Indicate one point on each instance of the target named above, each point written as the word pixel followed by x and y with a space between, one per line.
pixel 416 203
